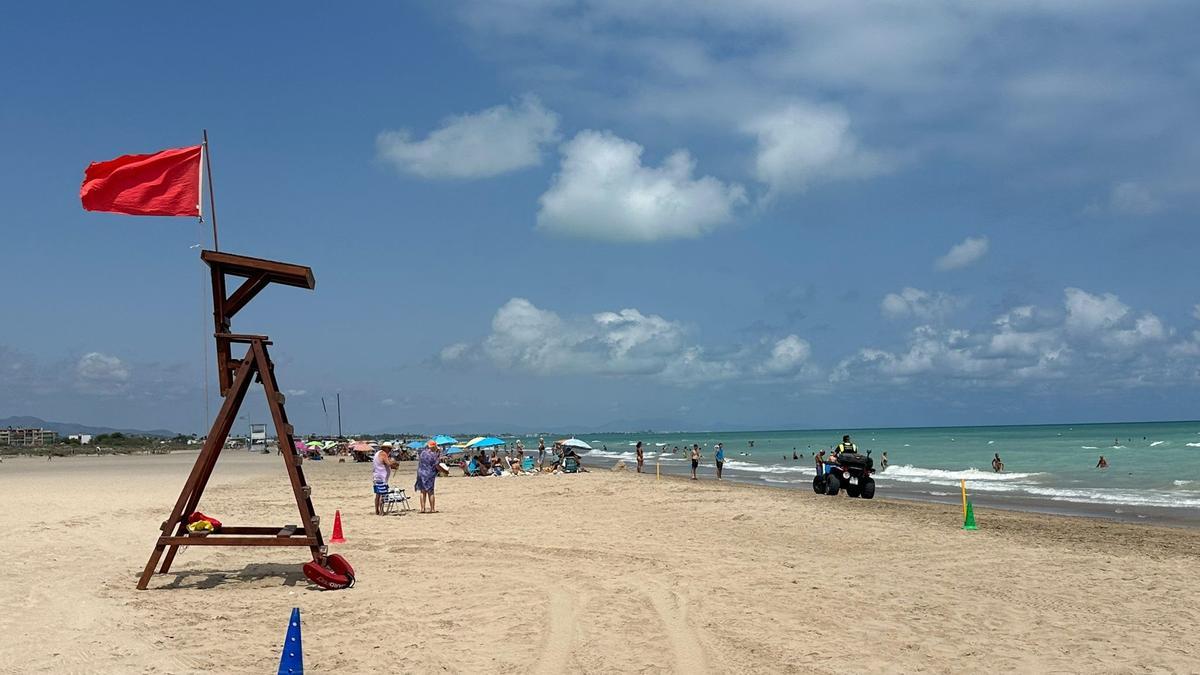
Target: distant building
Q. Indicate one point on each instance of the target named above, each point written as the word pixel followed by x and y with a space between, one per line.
pixel 27 438
pixel 84 439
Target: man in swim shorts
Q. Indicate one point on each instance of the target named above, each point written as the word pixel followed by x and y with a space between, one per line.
pixel 695 460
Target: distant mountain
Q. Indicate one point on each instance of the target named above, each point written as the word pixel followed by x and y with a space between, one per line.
pixel 67 428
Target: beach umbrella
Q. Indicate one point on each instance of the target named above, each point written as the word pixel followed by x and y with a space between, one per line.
pixel 442 439
pixel 416 445
pixel 485 442
pixel 301 446
pixel 361 446
pixel 574 443
pixel 316 445
pixel 452 450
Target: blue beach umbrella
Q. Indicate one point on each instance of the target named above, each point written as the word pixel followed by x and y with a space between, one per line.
pixel 486 442
pixel 451 451
pixel 416 445
pixel 442 439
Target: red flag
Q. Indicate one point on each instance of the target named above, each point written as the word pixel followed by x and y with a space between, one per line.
pixel 166 183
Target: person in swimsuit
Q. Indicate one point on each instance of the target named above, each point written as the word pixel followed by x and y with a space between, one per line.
pixel 695 460
pixel 381 470
pixel 1102 464
pixel 883 464
pixel 427 472
pixel 541 451
pixel 997 465
pixel 720 459
pixel 641 457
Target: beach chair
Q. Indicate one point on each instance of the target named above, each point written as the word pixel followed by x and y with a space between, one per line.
pixel 473 467
pixel 570 465
pixel 392 498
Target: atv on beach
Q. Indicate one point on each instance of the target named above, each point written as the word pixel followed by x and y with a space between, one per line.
pixel 849 471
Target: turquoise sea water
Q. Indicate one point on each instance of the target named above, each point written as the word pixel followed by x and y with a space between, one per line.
pixel 1155 464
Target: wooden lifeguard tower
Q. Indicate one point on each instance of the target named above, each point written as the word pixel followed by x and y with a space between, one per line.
pixel 235 374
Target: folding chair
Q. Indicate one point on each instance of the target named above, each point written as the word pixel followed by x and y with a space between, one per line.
pixel 392 497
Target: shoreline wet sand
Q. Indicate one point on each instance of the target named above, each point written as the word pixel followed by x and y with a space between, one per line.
pixel 573 573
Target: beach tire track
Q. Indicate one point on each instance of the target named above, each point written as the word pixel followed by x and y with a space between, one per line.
pixel 560 634
pixel 672 611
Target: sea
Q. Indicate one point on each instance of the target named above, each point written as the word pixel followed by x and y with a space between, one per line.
pixel 1153 469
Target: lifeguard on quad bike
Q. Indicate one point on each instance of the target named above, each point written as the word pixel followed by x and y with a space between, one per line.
pixel 846 469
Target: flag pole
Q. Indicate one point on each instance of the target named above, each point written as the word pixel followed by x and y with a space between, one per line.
pixel 212 203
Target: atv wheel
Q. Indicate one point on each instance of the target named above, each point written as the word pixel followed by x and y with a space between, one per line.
pixel 868 488
pixel 853 490
pixel 833 485
pixel 819 484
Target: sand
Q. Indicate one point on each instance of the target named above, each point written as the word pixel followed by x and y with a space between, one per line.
pixel 599 572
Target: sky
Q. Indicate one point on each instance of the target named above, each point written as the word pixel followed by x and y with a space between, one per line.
pixel 554 214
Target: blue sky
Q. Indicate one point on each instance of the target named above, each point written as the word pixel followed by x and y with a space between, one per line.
pixel 553 214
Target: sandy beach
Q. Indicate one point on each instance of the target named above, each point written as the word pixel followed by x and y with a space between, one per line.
pixel 598 572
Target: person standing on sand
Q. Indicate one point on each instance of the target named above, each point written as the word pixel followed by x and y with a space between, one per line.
pixel 381 469
pixel 641 457
pixel 720 459
pixel 997 465
pixel 541 451
pixel 695 460
pixel 427 474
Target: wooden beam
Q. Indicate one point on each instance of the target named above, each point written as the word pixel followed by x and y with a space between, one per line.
pixel 287 274
pixel 245 293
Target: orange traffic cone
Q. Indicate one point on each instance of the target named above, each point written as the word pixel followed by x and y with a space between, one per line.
pixel 337 529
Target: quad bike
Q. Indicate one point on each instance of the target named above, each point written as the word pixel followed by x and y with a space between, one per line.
pixel 850 471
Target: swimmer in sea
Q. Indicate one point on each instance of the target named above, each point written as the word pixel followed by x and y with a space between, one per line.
pixel 883 463
pixel 1102 464
pixel 997 465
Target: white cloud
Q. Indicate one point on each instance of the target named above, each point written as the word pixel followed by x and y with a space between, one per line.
pixel 627 342
pixel 101 373
pixel 1028 343
pixel 388 402
pixel 962 254
pixel 455 352
pixel 788 356
pixel 1108 322
pixel 1196 311
pixel 1088 313
pixel 97 373
pixel 491 142
pixel 630 343
pixel 914 302
pixel 296 393
pixel 802 143
pixel 603 191
pixel 1133 199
